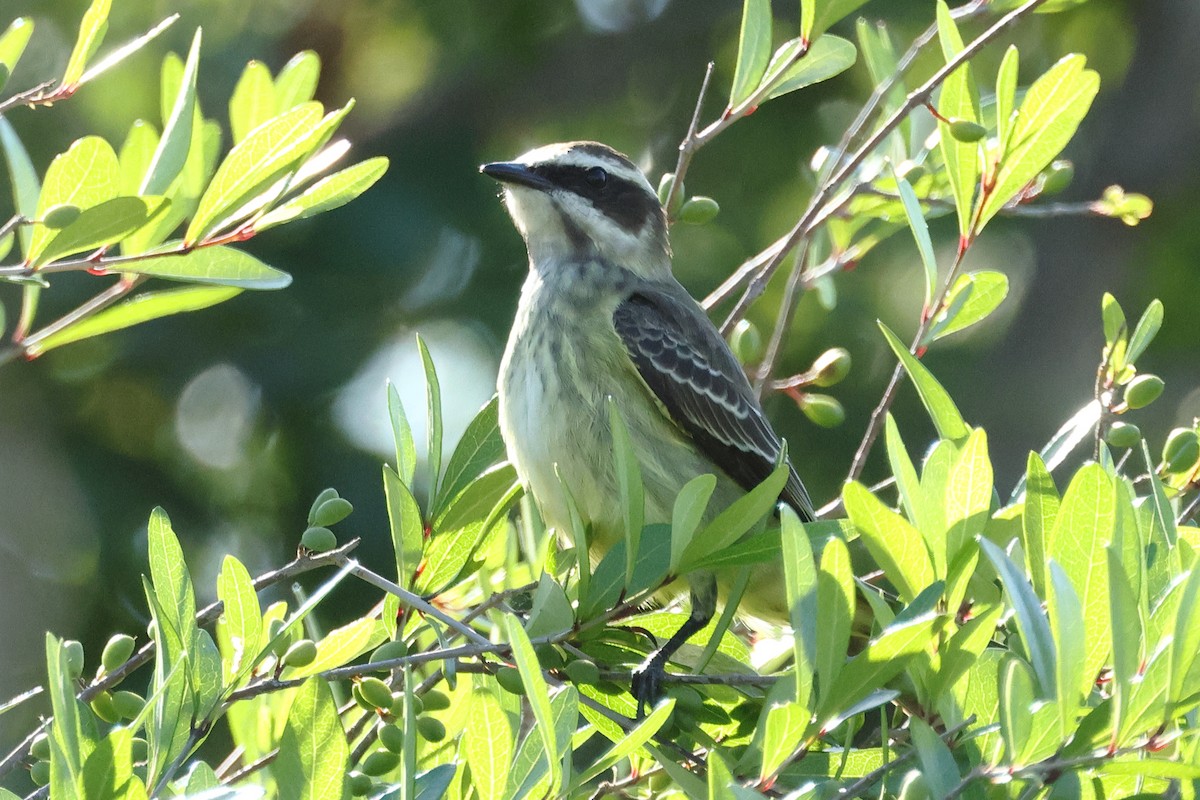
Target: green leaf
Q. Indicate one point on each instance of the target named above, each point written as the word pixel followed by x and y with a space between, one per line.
pixel 73 735
pixel 124 51
pixel 800 587
pixel 826 57
pixel 253 100
pixel 91 33
pixel 254 165
pixel 690 505
pixel 142 308
pixel 783 725
pixel 754 50
pixel 178 130
pixel 108 771
pixel 12 46
pixel 218 265
pixel 937 764
pixel 736 520
pixel 1016 699
pixel 958 102
pixel 1127 636
pixel 169 575
pixel 1083 528
pixel 968 495
pixel 1006 92
pixel 135 156
pixel 311 764
pixel 342 645
pixel 1067 628
pixel 972 299
pixel 242 616
pixel 629 480
pixel 479 449
pixel 1185 644
pixel 529 775
pixel 23 179
pixel 884 657
pixel 84 176
pixel 945 415
pixel 406 448
pixel 550 612
pixel 1037 521
pixel 895 545
pixel 964 649
pixel 297 81
pixel 101 225
pixel 1035 630
pixel 433 409
pixel 720 780
pixel 1147 328
pixel 836 605
pixel 488 745
pixel 1049 115
pixel 816 16
pixel 631 742
pixel 912 498
pixel 920 232
pixel 327 194
pixel 407 529
pixel 537 692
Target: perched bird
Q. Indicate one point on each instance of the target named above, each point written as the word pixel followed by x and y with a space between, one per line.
pixel 601 315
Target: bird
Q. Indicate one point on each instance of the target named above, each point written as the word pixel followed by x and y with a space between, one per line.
pixel 601 318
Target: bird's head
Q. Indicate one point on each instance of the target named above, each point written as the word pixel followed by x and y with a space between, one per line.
pixel 581 200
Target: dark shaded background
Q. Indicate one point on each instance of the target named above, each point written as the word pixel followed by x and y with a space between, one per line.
pixel 235 417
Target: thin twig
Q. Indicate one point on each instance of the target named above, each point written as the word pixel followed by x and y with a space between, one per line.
pixel 689 145
pixel 783 320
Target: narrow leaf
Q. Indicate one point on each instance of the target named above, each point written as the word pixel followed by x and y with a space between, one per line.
pixel 218 265
pixel 536 690
pixel 942 410
pixel 972 299
pixel 253 100
pixel 327 194
pixel 754 50
pixel 895 545
pixel 920 232
pixel 172 151
pixel 433 407
pixel 827 57
pixel 91 33
pixel 311 764
pixel 690 505
pixel 12 46
pixel 1030 620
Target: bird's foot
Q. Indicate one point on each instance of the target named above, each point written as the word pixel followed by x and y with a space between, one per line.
pixel 647 681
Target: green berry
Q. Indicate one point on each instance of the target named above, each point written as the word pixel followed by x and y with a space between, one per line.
pixel 139 749
pixel 431 730
pixel 397 707
pixel 822 409
pixel 60 216
pixel 359 784
pixel 831 367
pixel 389 650
pixel 128 704
pixel 435 701
pixel 686 698
pixel 380 762
pixel 331 512
pixel 117 652
pixel 1143 390
pixel 326 494
pixel 40 749
pixel 964 130
pixel 583 671
pixel 510 680
pixel 1122 434
pixel 73 652
pixel 104 708
pixel 664 192
pixel 392 738
pixel 359 700
pixel 699 210
pixel 746 342
pixel 40 772
pixel 1057 177
pixel 1181 450
pixel 375 692
pixel 549 657
pixel 300 654
pixel 318 540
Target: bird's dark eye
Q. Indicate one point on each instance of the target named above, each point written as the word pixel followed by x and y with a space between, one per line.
pixel 596 177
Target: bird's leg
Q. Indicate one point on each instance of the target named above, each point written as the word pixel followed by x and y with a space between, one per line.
pixel 646 683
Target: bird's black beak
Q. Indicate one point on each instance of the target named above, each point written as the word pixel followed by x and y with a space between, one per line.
pixel 513 172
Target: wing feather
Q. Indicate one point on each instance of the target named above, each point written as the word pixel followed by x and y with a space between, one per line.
pixel 687 365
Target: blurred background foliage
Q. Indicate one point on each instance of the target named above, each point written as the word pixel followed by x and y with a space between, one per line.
pixel 235 417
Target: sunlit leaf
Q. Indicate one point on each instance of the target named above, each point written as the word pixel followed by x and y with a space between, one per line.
pixel 689 508
pixel 817 15
pixel 1035 630
pixel 405 525
pixel 296 83
pixel 172 151
pixel 101 225
pixel 958 102
pixel 1049 115
pixel 895 545
pixel 736 520
pixel 218 265
pixel 920 232
pixel 406 448
pixel 1006 92
pixel 92 28
pixel 1147 328
pixel 85 175
pixel 488 745
pixel 754 50
pixel 342 645
pixel 311 764
pixel 1041 508
pixel 327 194
pixel 942 410
pixel 836 605
pixel 536 690
pixel 968 494
pixel 800 589
pixel 826 57
pixel 126 50
pixel 242 618
pixel 142 308
pixel 1067 628
pixel 433 411
pixel 12 46
pixel 974 296
pixel 253 100
pixel 479 448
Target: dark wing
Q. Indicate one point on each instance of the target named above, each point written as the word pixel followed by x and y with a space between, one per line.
pixel 685 362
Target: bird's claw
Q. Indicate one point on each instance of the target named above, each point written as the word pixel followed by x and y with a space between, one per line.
pixel 646 683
